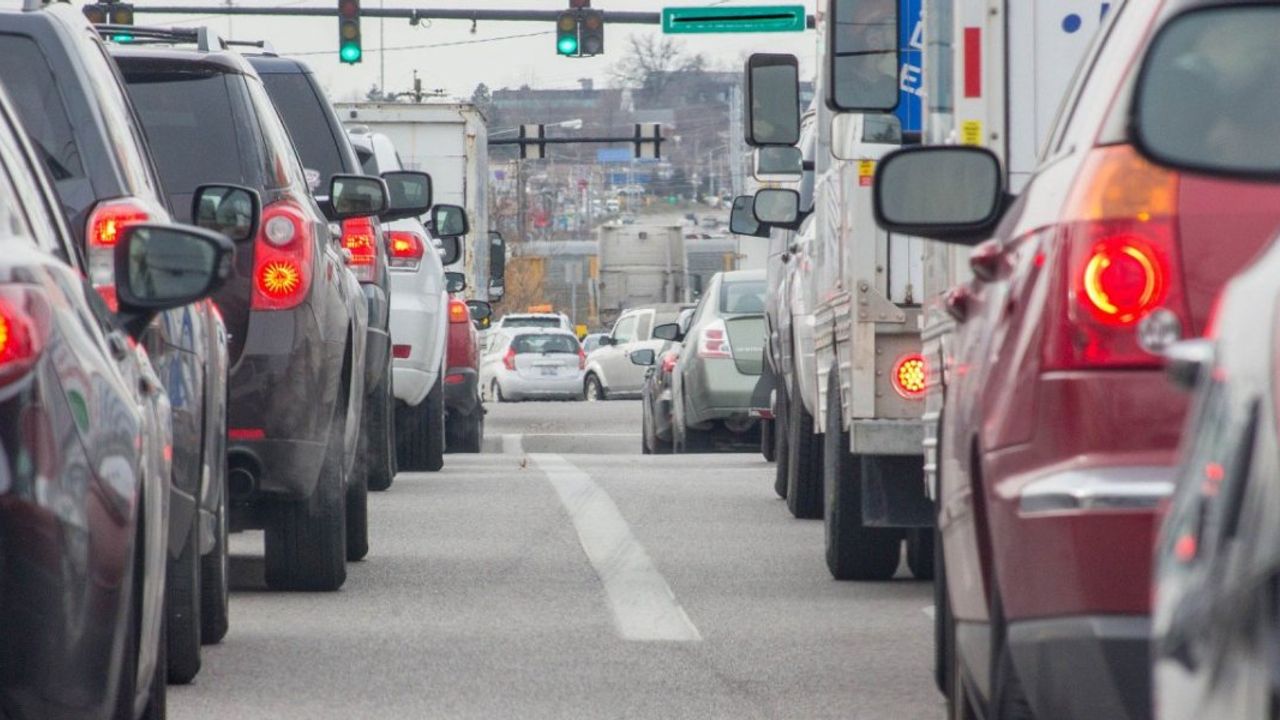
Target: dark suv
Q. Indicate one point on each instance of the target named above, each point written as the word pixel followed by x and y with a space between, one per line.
pixel 325 151
pixel 295 314
pixel 69 96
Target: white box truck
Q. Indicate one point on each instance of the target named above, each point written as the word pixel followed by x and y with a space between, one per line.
pixel 639 265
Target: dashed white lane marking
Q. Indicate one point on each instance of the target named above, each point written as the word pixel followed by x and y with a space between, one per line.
pixel 644 608
pixel 928 610
pixel 512 445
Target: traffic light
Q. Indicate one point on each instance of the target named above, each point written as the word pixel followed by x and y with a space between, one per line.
pixel 109 13
pixel 592 33
pixel 349 49
pixel 567 34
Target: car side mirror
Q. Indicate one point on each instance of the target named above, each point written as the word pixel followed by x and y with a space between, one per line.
pixel 644 358
pixel 232 210
pixel 772 102
pixel 669 332
pixel 449 221
pixel 408 194
pixel 778 207
pixel 497 260
pixel 1195 110
pixel 950 193
pixel 357 196
pixel 607 341
pixel 481 311
pixel 454 282
pixel 450 250
pixel 863 55
pixel 161 267
pixel 742 218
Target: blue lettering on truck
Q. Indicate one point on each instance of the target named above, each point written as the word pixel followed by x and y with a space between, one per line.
pixel 910 110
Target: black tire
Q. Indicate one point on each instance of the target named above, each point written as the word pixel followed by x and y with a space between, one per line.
pixel 306 541
pixel 943 674
pixel 646 429
pixel 495 392
pixel 466 432
pixel 804 461
pixel 422 434
pixel 854 552
pixel 157 703
pixel 182 602
pixel 592 390
pixel 357 513
pixel 767 446
pixel 920 553
pixel 379 435
pixel 215 582
pixel 780 449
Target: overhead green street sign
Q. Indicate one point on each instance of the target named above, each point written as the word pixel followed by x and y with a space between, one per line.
pixel 757 19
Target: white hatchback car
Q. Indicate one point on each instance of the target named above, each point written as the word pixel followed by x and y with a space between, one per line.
pixel 532 363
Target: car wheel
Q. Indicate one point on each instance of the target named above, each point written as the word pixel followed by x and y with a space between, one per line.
pixel 920 553
pixel 127 684
pixel 422 437
pixel 495 392
pixel 593 391
pixel 215 583
pixel 182 609
pixel 767 446
pixel 379 427
pixel 804 461
pixel 780 449
pixel 306 541
pixel 358 511
pixel 854 552
pixel 646 430
pixel 466 432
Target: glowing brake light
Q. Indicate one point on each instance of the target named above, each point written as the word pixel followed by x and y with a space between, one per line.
pixel 669 360
pixel 282 258
pixel 1122 281
pixel 909 376
pixel 714 341
pixel 509 360
pixel 106 222
pixel 458 311
pixel 407 249
pixel 358 237
pixel 24 320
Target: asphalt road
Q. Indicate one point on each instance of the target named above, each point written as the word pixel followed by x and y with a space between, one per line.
pixel 564 575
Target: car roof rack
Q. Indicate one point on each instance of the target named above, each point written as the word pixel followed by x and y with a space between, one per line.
pixel 205 39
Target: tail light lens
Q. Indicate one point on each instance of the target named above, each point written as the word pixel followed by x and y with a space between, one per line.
pixel 669 362
pixel 582 359
pixel 909 376
pixel 401 352
pixel 24 325
pixel 509 360
pixel 359 238
pixel 407 248
pixel 106 221
pixel 458 312
pixel 282 258
pixel 714 341
pixel 1122 261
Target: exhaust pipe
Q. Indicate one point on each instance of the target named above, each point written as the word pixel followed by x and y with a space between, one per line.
pixel 242 476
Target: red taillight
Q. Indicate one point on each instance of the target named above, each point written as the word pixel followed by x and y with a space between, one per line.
pixel 458 311
pixel 407 249
pixel 359 238
pixel 669 360
pixel 455 379
pixel 401 351
pixel 582 359
pixel 24 321
pixel 909 376
pixel 106 221
pixel 714 341
pixel 246 434
pixel 1119 236
pixel 509 360
pixel 282 258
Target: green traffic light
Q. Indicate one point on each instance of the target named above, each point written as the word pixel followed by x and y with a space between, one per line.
pixel 567 46
pixel 350 53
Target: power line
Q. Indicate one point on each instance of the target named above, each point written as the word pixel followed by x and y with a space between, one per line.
pixel 429 45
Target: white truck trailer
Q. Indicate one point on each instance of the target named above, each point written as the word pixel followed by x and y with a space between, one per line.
pixel 639 265
pixel 450 141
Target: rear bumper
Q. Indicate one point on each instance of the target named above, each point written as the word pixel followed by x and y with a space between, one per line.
pixel 718 391
pixel 1084 667
pixel 515 387
pixel 461 391
pixel 419 322
pixel 288 469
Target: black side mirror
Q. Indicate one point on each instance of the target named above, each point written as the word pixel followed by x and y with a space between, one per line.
pixel 450 250
pixel 863 47
pixel 160 267
pixel 357 196
pixel 778 207
pixel 449 221
pixel 232 210
pixel 947 192
pixel 454 282
pixel 644 358
pixel 1205 96
pixel 606 341
pixel 668 331
pixel 497 260
pixel 772 100
pixel 742 219
pixel 408 194
pixel 481 311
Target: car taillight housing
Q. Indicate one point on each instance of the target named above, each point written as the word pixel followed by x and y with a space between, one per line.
pixel 359 237
pixel 669 360
pixel 509 360
pixel 106 221
pixel 25 315
pixel 582 359
pixel 282 258
pixel 1121 262
pixel 406 250
pixel 713 342
pixel 909 376
pixel 458 311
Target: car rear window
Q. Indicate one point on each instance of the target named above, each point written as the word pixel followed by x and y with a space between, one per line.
pixel 191 125
pixel 304 115
pixel 743 297
pixel 538 322
pixel 32 87
pixel 544 344
pixel 368 161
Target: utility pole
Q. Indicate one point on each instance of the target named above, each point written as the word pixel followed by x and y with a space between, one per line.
pixel 521 208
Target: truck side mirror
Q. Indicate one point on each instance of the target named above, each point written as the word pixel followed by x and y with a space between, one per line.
pixel 497 260
pixel 772 100
pixel 778 164
pixel 742 219
pixel 863 55
pixel 778 207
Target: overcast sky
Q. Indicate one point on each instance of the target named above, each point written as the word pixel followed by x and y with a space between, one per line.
pixel 458 69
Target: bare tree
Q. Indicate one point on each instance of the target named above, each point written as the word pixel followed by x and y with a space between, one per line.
pixel 650 62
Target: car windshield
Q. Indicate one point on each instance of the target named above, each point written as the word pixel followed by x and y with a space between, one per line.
pixel 538 322
pixel 543 344
pixel 742 297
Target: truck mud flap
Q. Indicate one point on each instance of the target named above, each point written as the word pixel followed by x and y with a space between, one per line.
pixel 762 395
pixel 893 492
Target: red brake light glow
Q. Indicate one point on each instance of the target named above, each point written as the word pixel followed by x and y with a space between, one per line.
pixel 407 249
pixel 358 237
pixel 458 311
pixel 1122 281
pixel 909 376
pixel 282 258
pixel 246 433
pixel 24 320
pixel 107 220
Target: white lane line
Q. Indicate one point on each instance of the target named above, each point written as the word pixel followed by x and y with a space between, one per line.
pixel 512 445
pixel 644 608
pixel 928 610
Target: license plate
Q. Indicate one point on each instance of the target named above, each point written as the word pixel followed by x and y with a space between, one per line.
pixel 548 372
